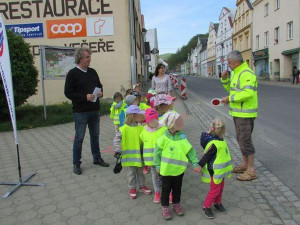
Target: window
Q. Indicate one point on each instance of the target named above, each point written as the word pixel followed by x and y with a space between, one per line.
pixel 290 30
pixel 247 19
pixel 266 39
pixel 277 4
pixel 247 42
pixel 257 42
pixel 266 9
pixel 276 35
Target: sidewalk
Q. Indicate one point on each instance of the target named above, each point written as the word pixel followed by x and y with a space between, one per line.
pixel 98 196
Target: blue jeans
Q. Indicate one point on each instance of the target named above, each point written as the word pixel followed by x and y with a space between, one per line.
pixel 92 119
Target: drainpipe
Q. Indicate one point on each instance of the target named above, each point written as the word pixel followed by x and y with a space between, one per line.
pixel 132 41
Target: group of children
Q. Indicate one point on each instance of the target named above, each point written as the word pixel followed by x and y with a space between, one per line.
pixel 149 134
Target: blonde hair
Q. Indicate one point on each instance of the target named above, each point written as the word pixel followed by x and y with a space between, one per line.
pixel 218 127
pixel 130 119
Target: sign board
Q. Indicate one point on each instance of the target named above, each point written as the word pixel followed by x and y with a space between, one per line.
pixel 261 54
pixel 28 30
pixel 56 61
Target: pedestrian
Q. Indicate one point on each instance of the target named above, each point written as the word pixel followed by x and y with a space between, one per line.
pixel 117 106
pixel 132 99
pixel 80 84
pixel 216 166
pixel 243 106
pixel 161 83
pixel 163 103
pixel 296 73
pixel 128 145
pixel 151 132
pixel 171 156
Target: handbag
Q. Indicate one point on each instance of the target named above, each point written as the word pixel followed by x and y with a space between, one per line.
pixel 118 167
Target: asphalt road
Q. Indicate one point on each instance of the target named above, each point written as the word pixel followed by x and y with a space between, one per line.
pixel 276 134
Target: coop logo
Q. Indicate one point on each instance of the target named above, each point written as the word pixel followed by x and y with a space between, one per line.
pixel 1 39
pixel 66 28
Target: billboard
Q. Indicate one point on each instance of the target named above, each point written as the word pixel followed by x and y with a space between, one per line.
pixel 28 30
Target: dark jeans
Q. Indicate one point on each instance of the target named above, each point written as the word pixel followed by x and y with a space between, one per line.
pixel 169 183
pixel 295 78
pixel 92 119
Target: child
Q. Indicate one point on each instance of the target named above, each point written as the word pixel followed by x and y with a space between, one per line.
pixel 116 108
pixel 128 91
pixel 151 132
pixel 143 104
pixel 128 144
pixel 137 87
pixel 216 165
pixel 171 156
pixel 163 103
pixel 129 100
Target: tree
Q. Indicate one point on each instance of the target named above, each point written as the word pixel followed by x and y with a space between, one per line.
pixel 24 73
pixel 182 54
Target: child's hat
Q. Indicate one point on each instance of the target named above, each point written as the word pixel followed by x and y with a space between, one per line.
pixel 134 109
pixel 163 99
pixel 169 119
pixel 151 114
pixel 135 93
pixel 129 99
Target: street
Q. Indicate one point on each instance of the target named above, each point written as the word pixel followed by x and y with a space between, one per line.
pixel 276 134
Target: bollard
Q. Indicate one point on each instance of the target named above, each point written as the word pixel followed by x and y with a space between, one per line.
pixel 183 88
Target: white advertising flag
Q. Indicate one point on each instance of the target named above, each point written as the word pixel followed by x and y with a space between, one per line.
pixel 5 71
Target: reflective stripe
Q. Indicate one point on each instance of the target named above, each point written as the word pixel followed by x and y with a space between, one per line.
pixel 238 81
pixel 131 160
pixel 174 161
pixel 148 150
pixel 205 175
pixel 132 152
pixel 250 87
pixel 228 82
pixel 116 120
pixel 148 159
pixel 223 165
pixel 246 87
pixel 221 176
pixel 232 98
pixel 243 110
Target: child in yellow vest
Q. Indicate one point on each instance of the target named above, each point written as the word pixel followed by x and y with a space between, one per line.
pixel 152 131
pixel 163 103
pixel 216 165
pixel 143 104
pixel 128 144
pixel 171 156
pixel 116 108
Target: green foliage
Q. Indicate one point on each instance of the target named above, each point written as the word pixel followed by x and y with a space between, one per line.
pixel 182 54
pixel 165 56
pixel 24 73
pixel 29 116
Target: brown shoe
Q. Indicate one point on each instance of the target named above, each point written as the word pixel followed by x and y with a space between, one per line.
pixel 247 176
pixel 238 169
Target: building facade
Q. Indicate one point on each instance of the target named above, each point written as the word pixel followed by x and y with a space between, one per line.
pixel 211 49
pixel 224 39
pixel 151 37
pixel 112 29
pixel 203 60
pixel 275 38
pixel 242 29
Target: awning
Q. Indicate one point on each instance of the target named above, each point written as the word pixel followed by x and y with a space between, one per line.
pixel 291 51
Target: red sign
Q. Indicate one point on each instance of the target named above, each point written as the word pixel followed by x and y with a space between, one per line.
pixel 66 28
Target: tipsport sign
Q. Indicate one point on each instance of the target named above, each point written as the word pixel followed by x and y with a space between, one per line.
pixel 81 27
pixel 31 30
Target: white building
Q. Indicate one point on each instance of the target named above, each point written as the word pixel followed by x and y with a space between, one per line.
pixel 151 37
pixel 224 38
pixel 203 59
pixel 276 38
pixel 201 44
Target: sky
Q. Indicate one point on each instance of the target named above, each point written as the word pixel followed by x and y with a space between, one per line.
pixel 177 21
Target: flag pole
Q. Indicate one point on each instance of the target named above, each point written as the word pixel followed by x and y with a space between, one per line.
pixel 5 71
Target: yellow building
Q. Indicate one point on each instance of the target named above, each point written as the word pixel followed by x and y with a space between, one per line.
pixel 242 29
pixel 104 26
pixel 211 48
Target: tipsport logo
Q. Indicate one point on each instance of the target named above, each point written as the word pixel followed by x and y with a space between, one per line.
pixel 1 39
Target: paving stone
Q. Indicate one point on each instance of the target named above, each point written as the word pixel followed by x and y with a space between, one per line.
pixel 106 221
pixel 69 212
pixel 77 220
pixel 246 205
pixel 52 218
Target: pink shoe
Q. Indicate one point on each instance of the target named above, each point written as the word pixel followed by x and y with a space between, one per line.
pixel 178 210
pixel 171 198
pixel 157 197
pixel 145 169
pixel 145 190
pixel 166 213
pixel 132 193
